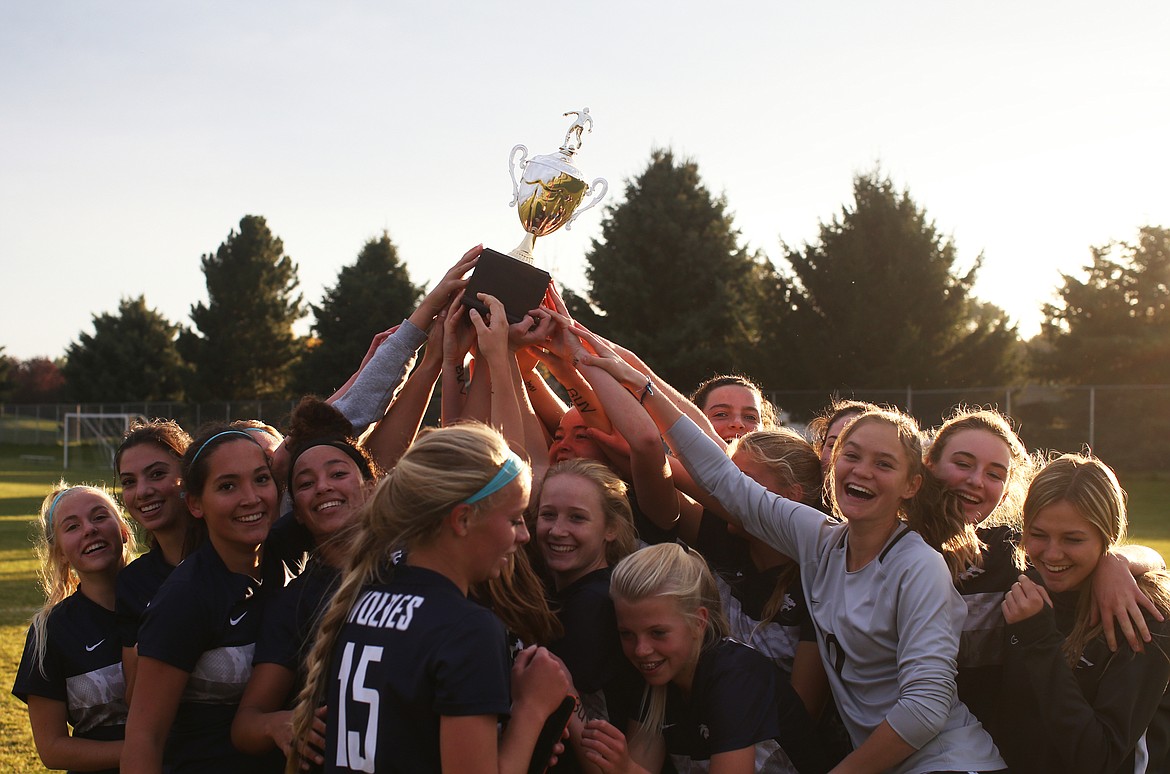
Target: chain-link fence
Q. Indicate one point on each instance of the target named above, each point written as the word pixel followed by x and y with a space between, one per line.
pixel 1126 425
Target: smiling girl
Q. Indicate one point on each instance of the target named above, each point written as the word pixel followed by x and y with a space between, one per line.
pixel 196 642
pixel 149 463
pixel 71 672
pixel 709 701
pixel 415 675
pixel 734 405
pixel 330 476
pixel 1074 705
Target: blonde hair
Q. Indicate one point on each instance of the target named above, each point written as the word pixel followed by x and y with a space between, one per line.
pixel 615 503
pixel 517 596
pixel 58 579
pixel 1022 467
pixel 933 512
pixel 441 469
pixel 794 462
pixel 1091 487
pixel 680 573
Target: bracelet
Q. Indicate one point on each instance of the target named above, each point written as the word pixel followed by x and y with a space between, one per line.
pixel 647 390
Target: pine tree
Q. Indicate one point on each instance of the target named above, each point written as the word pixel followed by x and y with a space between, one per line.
pixel 372 294
pixel 242 346
pixel 131 355
pixel 879 301
pixel 7 365
pixel 1113 326
pixel 671 278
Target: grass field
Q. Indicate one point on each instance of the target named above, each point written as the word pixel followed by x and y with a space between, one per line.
pixel 23 484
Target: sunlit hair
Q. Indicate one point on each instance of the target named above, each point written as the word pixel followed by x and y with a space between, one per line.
pixel 1091 487
pixel 788 455
pixel 837 408
pixel 440 470
pixel 517 596
pixel 680 574
pixel 257 425
pixel 795 464
pixel 768 412
pixel 933 512
pixel 615 503
pixel 163 433
pixel 168 437
pixel 58 579
pixel 1022 467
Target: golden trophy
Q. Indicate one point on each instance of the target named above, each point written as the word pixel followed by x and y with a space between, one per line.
pixel 547 196
pixel 550 190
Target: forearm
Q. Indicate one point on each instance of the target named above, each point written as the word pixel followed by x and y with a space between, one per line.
pixel 366 400
pixel 1141 559
pixel 535 437
pixel 255 731
pixel 582 397
pixel 883 750
pixel 505 407
pixel 396 430
pixel 548 407
pixel 455 384
pixel 71 752
pixel 478 404
pixel 519 740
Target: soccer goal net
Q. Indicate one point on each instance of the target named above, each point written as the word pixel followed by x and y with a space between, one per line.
pixel 92 439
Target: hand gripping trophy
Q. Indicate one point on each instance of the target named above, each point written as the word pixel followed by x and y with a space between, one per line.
pixel 551 189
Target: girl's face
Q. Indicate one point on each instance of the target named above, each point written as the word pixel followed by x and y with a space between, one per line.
pixel 872 475
pixel 88 533
pixel 239 499
pixel 497 533
pixel 659 640
pixel 974 464
pixel 571 530
pixel 327 489
pixel 151 485
pixel 572 442
pixel 831 436
pixel 1063 545
pixel 734 410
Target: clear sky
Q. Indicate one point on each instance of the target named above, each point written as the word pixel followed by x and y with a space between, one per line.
pixel 134 135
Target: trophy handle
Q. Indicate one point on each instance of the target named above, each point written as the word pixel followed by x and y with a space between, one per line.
pixel 512 171
pixel 597 197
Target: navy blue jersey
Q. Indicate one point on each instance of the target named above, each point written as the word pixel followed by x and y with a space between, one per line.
pixel 290 617
pixel 82 668
pixel 137 584
pixel 286 551
pixel 411 650
pixel 738 699
pixel 204 620
pixel 981 653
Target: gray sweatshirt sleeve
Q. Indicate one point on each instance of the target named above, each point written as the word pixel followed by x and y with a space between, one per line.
pixel 366 400
pixel 789 527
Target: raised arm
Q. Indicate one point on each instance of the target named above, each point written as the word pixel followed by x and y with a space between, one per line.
pixel 492 335
pixel 396 430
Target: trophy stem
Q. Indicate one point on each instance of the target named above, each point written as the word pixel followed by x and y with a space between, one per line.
pixel 524 250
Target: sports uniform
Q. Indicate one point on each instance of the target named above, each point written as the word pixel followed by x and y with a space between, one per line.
pixel 136 585
pixel 204 620
pixel 739 699
pixel 1090 718
pixel 888 633
pixel 412 649
pixel 82 668
pixel 291 615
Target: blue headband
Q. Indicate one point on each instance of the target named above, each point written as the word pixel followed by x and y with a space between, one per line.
pixel 53 511
pixel 508 471
pixel 219 435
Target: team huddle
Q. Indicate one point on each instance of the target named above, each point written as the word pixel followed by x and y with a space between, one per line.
pixel 634 581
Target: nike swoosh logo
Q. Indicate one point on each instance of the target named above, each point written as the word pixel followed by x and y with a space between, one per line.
pixel 92 648
pixel 234 621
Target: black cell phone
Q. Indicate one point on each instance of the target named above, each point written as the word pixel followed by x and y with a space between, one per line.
pixel 520 286
pixel 550 734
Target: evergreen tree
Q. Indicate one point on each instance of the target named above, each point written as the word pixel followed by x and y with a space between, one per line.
pixel 7 366
pixel 671 278
pixel 372 294
pixel 1113 326
pixel 242 346
pixel 878 301
pixel 131 355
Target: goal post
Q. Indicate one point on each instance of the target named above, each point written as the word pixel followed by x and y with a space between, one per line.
pixel 98 431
